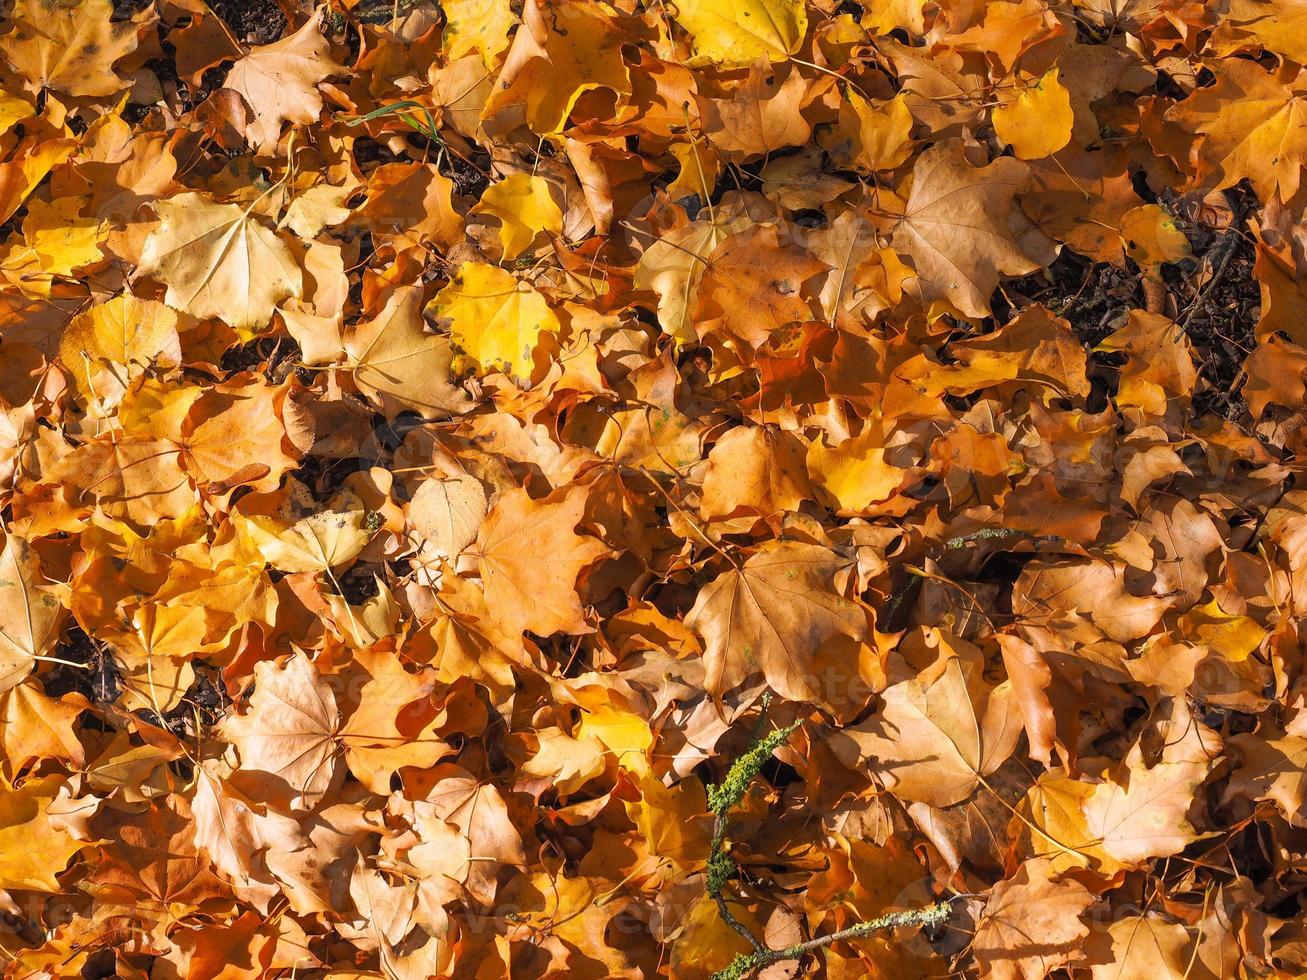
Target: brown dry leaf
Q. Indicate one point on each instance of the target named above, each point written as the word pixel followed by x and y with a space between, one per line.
pixel 448 513
pixel 757 469
pixel 287 739
pixel 778 614
pixel 219 260
pixel 1032 924
pixel 1141 812
pixel 938 734
pixel 401 364
pixel 754 285
pixel 29 612
pixel 957 228
pixel 530 557
pixel 279 82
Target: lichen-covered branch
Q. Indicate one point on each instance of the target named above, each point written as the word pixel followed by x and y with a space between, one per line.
pixel 722 798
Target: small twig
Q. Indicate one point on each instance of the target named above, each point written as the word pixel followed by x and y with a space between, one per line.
pixel 1228 246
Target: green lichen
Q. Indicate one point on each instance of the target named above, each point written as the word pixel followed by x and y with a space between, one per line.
pixel 724 796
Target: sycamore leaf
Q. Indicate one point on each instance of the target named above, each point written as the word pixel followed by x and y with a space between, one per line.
pixel 735 33
pixel 779 614
pixel 279 82
pixel 955 228
pixel 219 260
pixel 495 320
pixel 525 209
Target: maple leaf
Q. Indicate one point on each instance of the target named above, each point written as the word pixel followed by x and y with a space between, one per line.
pixel 755 468
pixel 1142 813
pixel 889 380
pixel 534 588
pixel 288 737
pixel 279 82
pixel 524 207
pixel 777 613
pixel 400 364
pixel 754 285
pixel 70 48
pixel 1038 122
pixel 31 615
pixel 956 228
pixel 494 319
pixel 942 732
pixel 1252 126
pixel 219 260
pixel 737 34
pixel 1032 924
pixel 36 848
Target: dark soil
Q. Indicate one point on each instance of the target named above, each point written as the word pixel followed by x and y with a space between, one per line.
pixel 1216 297
pixel 98 680
pixel 252 21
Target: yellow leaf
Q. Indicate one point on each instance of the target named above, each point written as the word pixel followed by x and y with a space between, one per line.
pixel 854 471
pixel 547 69
pixel 34 849
pixel 13 110
pixel 871 137
pixel 69 47
pixel 63 239
pixel 625 735
pixel 699 168
pixel 27 167
pixel 29 614
pixel 736 33
pixel 315 543
pixel 1233 637
pixel 1038 122
pixel 1152 236
pixel 477 25
pixel 109 345
pixel 218 260
pixel 524 207
pixel 495 320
